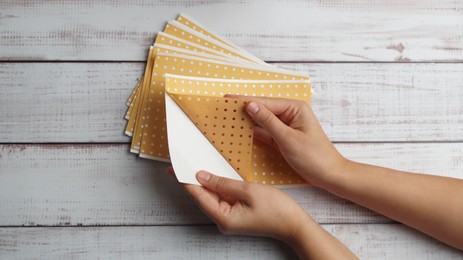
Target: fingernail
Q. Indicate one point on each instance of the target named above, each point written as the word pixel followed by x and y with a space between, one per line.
pixel 252 108
pixel 203 175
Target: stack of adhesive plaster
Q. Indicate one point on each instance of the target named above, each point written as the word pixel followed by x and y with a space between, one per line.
pixel 178 111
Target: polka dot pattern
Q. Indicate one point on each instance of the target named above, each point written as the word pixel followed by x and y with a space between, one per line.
pixel 203 41
pixel 189 23
pixel 133 125
pixel 132 97
pixel 299 90
pixel 268 166
pixel 200 29
pixel 192 66
pixel 169 40
pixel 224 123
pixel 138 123
pixel 133 94
pixel 166 49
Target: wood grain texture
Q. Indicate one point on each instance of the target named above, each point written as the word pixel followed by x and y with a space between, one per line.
pixel 342 30
pixel 85 200
pixel 74 185
pixel 369 241
pixel 85 102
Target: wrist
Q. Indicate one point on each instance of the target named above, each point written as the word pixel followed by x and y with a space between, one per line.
pixel 339 176
pixel 333 173
pixel 311 241
pixel 300 232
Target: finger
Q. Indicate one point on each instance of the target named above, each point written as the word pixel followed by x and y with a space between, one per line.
pixel 265 137
pixel 276 105
pixel 233 188
pixel 207 201
pixel 228 199
pixel 262 135
pixel 216 196
pixel 267 120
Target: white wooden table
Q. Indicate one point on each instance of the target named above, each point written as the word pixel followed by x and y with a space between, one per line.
pixel 388 81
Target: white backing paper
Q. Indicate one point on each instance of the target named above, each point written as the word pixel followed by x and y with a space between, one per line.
pixel 189 149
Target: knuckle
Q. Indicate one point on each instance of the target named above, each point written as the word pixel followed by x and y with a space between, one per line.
pixel 220 184
pixel 267 118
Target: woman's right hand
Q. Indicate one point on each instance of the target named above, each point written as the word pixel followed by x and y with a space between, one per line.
pixel 291 127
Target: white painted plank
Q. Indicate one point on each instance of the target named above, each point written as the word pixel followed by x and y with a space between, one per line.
pixel 85 102
pixel 370 241
pixel 59 185
pixel 388 102
pixel 343 30
pixel 67 102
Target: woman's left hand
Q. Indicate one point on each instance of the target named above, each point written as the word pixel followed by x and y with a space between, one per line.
pixel 244 208
pixel 239 207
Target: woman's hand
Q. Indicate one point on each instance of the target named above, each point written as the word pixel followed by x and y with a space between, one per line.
pixel 291 127
pixel 418 200
pixel 247 208
pixel 244 208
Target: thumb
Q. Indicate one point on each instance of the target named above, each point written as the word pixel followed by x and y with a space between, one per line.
pixel 225 186
pixel 267 120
